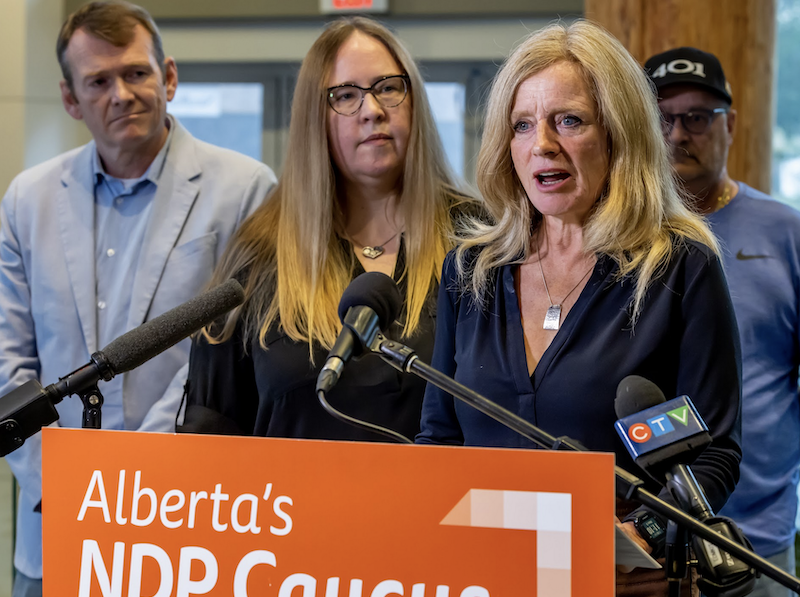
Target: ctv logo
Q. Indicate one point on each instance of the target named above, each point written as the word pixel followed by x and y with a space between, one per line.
pixel 658 425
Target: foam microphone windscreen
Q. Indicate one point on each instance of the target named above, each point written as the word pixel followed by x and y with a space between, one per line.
pixel 634 394
pixel 160 333
pixel 376 291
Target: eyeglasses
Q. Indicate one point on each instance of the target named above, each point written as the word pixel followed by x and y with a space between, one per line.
pixel 389 92
pixel 695 122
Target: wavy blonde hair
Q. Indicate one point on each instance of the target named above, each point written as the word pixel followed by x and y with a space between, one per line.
pixel 290 252
pixel 640 212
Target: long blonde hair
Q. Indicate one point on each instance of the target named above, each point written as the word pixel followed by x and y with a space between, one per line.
pixel 295 265
pixel 639 214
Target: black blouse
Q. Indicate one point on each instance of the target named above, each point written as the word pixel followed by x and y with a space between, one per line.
pixel 239 389
pixel 685 341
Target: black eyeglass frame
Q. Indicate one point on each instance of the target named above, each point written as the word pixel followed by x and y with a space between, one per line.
pixel 668 120
pixel 365 90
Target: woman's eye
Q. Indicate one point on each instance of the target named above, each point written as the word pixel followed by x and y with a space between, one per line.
pixel 521 126
pixel 571 121
pixel 343 95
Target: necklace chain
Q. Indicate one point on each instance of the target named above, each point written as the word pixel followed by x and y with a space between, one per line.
pixel 552 319
pixel 373 252
pixel 725 198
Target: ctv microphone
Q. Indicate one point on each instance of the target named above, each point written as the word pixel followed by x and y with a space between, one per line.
pixel 663 437
pixel 28 408
pixel 370 303
pixel 658 433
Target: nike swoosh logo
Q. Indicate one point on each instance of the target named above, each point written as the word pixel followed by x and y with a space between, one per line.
pixel 742 257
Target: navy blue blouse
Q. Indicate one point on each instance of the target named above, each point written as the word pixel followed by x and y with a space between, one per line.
pixel 685 341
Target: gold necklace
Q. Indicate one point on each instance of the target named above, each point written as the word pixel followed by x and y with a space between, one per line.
pixel 725 198
pixel 376 251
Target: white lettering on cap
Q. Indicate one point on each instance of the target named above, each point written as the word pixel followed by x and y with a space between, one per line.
pixel 680 67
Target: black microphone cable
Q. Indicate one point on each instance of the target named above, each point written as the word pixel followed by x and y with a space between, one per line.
pixel 385 431
pixel 369 303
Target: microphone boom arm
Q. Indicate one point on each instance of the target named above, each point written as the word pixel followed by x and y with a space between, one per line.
pixel 628 485
pixel 29 407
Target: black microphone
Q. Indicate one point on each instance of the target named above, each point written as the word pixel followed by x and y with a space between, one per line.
pixel 663 437
pixel 28 408
pixel 160 333
pixel 662 448
pixel 370 303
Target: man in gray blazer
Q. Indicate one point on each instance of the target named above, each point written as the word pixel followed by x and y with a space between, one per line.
pixel 107 236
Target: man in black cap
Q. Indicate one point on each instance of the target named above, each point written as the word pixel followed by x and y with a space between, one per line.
pixel 760 240
pixel 695 100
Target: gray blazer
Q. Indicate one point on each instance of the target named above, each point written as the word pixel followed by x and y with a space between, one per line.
pixel 48 324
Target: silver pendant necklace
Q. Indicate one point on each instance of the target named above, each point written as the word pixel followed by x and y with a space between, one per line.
pixel 376 251
pixel 552 319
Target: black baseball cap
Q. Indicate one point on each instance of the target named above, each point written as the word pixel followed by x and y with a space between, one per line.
pixel 689 65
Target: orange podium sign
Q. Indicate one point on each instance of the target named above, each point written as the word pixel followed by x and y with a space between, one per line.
pixel 159 515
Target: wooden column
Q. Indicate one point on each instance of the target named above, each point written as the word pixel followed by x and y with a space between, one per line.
pixel 741 33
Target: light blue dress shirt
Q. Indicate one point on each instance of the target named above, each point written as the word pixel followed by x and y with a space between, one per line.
pixel 122 210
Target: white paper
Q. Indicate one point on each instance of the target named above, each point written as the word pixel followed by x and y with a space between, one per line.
pixel 629 555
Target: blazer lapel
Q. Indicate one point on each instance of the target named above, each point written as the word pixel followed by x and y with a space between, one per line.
pixel 75 206
pixel 175 195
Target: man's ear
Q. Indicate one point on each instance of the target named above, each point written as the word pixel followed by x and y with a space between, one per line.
pixel 70 102
pixel 731 124
pixel 170 77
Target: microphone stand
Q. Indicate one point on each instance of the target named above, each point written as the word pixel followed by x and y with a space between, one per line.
pixel 676 556
pixel 83 382
pixel 628 486
pixel 28 408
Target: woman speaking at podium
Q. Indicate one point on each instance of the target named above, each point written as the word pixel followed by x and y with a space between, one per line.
pixel 593 270
pixel 365 187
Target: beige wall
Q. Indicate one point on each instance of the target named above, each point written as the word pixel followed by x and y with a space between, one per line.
pixel 280 42
pixel 12 92
pixel 33 124
pixel 283 9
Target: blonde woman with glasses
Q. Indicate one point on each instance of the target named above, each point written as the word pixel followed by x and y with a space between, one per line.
pixel 365 187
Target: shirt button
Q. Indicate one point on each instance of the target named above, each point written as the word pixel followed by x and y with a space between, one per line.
pixel 101 304
pixel 110 252
pixel 118 200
